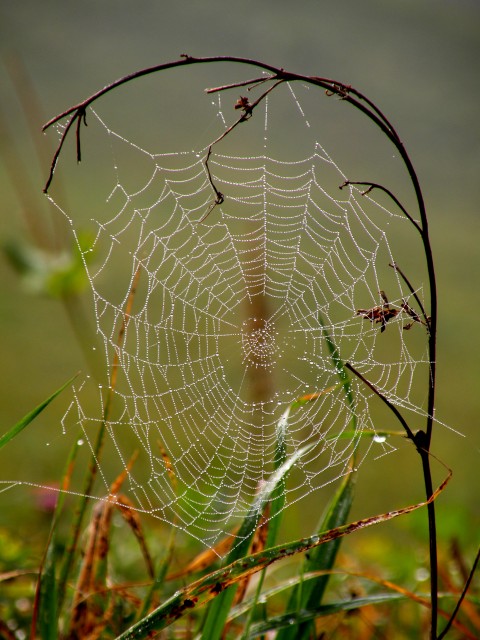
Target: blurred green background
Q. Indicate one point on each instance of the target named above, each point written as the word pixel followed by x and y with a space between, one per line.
pixel 417 59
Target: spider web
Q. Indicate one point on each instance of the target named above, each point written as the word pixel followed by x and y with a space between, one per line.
pixel 230 308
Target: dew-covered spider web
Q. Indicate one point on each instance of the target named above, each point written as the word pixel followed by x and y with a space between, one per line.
pixel 215 319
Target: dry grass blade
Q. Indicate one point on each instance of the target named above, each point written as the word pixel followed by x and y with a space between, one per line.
pixel 93 604
pixel 120 479
pixel 310 397
pixel 121 336
pixel 425 602
pixel 132 518
pixel 84 616
pixel 206 558
pixel 96 453
pixel 168 466
pixel 258 544
pixel 5 632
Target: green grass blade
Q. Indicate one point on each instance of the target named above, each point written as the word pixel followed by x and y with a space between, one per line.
pixel 338 363
pixel 80 510
pixel 48 597
pixel 216 584
pixel 308 595
pixel 308 615
pixel 277 502
pixel 26 420
pixel 220 607
pixel 47 601
pixel 322 558
pixel 277 505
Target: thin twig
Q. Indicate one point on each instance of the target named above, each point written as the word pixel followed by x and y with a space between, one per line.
pixel 462 597
pixel 392 407
pixel 374 185
pixel 245 83
pixel 395 266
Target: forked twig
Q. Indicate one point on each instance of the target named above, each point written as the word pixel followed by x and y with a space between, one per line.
pixel 247 108
pixel 392 407
pixel 375 185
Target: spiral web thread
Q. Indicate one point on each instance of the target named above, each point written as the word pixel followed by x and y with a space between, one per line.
pixel 226 329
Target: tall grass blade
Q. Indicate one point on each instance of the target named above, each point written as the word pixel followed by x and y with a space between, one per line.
pixel 96 452
pixel 322 558
pixel 218 612
pixel 47 597
pixel 276 506
pixel 216 584
pixel 308 615
pixel 278 497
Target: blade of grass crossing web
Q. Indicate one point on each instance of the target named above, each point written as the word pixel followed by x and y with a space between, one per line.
pixel 221 605
pixel 322 558
pixel 26 420
pixel 308 595
pixel 339 365
pixel 208 587
pixel 276 506
pixel 277 501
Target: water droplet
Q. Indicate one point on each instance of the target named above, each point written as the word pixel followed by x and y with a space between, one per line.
pixel 422 574
pixel 80 442
pixel 378 438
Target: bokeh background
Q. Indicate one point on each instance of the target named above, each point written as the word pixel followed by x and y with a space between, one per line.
pixel 417 59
